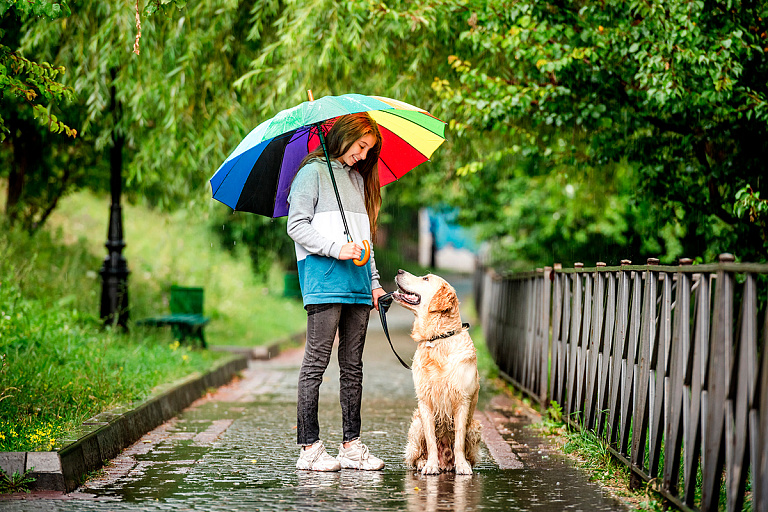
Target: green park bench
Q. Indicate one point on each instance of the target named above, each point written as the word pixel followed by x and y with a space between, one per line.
pixel 186 318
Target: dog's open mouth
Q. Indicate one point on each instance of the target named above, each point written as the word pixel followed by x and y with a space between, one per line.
pixel 404 295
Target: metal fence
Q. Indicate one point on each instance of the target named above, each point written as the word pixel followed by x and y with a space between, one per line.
pixel 656 360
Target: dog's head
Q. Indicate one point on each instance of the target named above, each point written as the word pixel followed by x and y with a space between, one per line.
pixel 426 295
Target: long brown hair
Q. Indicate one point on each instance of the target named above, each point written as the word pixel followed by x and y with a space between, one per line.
pixel 344 132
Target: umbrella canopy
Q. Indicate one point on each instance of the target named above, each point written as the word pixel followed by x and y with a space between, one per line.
pixel 257 176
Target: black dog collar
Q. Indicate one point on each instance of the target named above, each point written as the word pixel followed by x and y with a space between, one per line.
pixel 448 334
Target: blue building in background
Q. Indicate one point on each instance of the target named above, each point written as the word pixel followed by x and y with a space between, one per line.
pixel 443 244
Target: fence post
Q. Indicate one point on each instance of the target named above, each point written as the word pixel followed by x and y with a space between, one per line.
pixel 630 363
pixel 573 343
pixel 692 396
pixel 619 356
pixel 716 385
pixel 558 357
pixel 595 347
pixel 643 369
pixel 658 408
pixel 760 420
pixel 583 358
pixel 681 340
pixel 606 366
pixel 544 335
pixel 739 404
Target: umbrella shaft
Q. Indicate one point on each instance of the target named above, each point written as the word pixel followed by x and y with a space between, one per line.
pixel 333 180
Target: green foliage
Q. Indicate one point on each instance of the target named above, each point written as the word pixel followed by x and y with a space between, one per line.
pixel 17 482
pixel 676 90
pixel 555 413
pixel 33 83
pixel 51 10
pixel 750 207
pixel 486 366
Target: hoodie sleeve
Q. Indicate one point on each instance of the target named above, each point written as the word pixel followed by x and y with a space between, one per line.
pixel 302 201
pixel 374 272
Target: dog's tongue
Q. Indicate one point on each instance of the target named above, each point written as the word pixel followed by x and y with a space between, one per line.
pixel 411 298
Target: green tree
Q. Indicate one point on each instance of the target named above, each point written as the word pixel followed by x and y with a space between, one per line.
pixel 166 116
pixel 675 89
pixel 30 93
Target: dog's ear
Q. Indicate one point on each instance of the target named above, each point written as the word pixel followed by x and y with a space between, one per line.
pixel 444 301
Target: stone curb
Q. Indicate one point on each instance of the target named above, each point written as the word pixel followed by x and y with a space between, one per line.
pixel 105 435
pixel 264 352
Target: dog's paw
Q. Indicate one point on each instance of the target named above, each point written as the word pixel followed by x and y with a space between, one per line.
pixel 430 468
pixel 463 468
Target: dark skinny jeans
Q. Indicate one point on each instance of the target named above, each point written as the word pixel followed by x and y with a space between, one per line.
pixel 323 320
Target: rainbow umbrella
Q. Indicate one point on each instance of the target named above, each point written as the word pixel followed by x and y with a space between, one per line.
pixel 257 176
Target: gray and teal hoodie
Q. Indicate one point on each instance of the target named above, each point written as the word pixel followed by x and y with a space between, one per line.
pixel 315 225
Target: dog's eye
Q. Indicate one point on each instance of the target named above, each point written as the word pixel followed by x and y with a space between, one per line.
pixel 426 279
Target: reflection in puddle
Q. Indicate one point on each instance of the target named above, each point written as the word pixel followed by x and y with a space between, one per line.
pixel 446 491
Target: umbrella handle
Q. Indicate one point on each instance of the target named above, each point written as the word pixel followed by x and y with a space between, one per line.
pixel 366 254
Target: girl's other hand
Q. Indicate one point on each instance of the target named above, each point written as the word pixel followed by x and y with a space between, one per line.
pixel 350 251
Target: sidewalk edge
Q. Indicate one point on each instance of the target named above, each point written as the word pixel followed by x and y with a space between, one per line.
pixel 63 470
pixel 263 352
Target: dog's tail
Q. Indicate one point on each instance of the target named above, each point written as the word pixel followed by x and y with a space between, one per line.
pixel 472 446
pixel 416 448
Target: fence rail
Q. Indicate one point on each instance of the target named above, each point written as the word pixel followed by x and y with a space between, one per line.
pixel 654 359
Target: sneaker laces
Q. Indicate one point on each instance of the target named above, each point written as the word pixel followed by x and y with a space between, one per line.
pixel 319 451
pixel 364 452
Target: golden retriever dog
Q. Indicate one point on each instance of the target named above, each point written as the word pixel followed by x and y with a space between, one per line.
pixel 443 435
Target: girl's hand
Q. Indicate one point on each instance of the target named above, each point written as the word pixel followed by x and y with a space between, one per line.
pixel 378 292
pixel 350 251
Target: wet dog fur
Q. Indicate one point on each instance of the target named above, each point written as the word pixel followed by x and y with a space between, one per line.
pixel 443 435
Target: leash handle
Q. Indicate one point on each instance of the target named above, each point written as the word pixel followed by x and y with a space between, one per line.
pixel 384 302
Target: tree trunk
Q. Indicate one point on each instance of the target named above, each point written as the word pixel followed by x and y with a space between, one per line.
pixel 27 156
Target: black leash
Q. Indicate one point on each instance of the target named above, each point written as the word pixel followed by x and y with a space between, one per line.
pixel 384 302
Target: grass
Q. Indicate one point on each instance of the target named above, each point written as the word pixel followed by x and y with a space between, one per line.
pixel 17 482
pixel 182 248
pixel 59 366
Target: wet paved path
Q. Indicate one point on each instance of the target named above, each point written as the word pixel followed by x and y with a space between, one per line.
pixel 235 450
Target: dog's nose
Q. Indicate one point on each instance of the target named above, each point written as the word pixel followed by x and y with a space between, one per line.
pixel 400 271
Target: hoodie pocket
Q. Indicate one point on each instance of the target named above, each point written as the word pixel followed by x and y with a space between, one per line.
pixel 329 276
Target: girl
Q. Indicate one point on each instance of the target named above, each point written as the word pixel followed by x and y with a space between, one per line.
pixel 337 294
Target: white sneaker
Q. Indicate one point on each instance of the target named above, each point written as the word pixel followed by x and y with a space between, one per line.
pixel 315 458
pixel 356 456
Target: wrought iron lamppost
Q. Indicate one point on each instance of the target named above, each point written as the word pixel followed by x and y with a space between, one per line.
pixel 114 272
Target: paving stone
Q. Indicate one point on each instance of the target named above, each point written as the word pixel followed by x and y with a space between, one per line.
pixel 12 462
pixel 44 462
